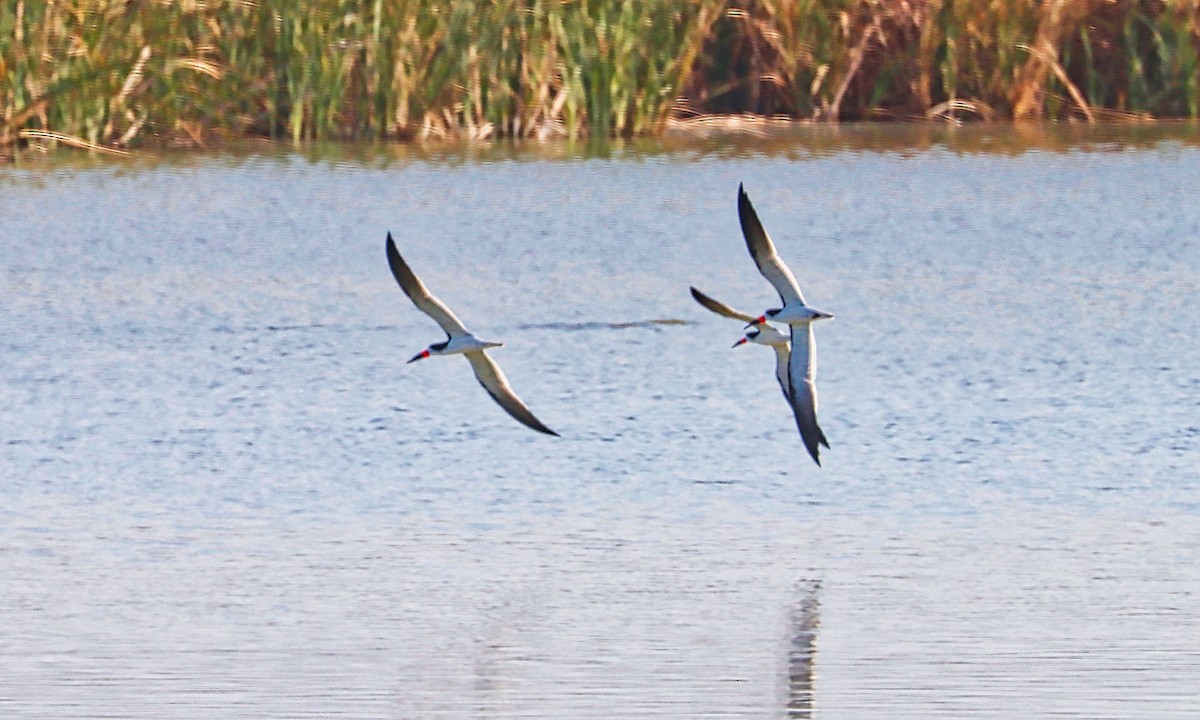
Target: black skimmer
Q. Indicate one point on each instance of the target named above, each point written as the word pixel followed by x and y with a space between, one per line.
pixel 802 359
pixel 460 341
pixel 761 334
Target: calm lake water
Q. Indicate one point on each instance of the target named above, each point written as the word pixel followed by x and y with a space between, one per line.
pixel 226 495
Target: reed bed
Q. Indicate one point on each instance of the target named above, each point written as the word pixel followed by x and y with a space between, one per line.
pixel 112 73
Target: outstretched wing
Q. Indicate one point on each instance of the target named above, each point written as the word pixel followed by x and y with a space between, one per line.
pixel 720 308
pixel 802 373
pixel 763 251
pixel 781 370
pixel 492 379
pixel 415 290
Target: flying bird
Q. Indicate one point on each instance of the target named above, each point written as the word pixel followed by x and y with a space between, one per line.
pixel 802 359
pixel 460 341
pixel 761 334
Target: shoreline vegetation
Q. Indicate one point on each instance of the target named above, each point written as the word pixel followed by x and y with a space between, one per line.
pixel 112 74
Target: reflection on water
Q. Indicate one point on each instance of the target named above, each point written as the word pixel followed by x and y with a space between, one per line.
pixel 690 143
pixel 225 494
pixel 805 620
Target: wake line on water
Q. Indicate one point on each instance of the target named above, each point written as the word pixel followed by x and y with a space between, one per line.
pixel 571 327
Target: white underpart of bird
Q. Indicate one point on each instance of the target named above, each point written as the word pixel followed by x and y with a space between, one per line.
pixel 760 334
pixel 460 341
pixel 778 342
pixel 802 358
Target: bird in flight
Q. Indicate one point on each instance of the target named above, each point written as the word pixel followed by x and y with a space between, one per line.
pixel 460 341
pixel 802 358
pixel 761 334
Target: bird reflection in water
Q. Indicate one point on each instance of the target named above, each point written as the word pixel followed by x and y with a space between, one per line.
pixel 802 650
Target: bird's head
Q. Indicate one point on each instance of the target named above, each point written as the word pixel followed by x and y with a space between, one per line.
pixel 763 318
pixel 434 349
pixel 747 338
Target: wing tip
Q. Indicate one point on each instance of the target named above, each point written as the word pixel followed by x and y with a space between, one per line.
pixel 752 228
pixel 533 423
pixel 814 450
pixel 396 263
pixel 743 198
pixel 393 252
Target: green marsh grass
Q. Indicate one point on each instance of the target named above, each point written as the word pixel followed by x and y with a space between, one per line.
pixel 115 73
